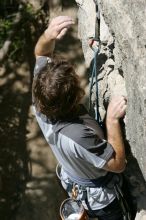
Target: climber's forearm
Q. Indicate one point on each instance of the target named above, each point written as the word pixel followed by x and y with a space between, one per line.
pixel 55 31
pixel 114 137
pixel 115 111
pixel 45 45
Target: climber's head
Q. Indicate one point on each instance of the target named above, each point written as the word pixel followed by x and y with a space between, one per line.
pixel 56 90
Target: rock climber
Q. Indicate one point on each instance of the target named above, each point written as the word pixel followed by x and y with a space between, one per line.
pixel 75 138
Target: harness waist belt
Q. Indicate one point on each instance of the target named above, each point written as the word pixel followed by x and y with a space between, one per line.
pixel 98 182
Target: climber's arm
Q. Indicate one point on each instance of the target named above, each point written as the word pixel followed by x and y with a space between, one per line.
pixel 56 30
pixel 116 110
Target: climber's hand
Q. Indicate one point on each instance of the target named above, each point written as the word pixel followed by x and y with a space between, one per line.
pixel 58 27
pixel 117 108
pixel 56 30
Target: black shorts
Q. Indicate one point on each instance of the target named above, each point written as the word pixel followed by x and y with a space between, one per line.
pixel 111 212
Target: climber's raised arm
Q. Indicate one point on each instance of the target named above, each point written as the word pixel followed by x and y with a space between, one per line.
pixel 55 31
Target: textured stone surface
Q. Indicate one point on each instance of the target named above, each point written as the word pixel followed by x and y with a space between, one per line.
pixel 121 66
pixel 86 26
pixel 127 22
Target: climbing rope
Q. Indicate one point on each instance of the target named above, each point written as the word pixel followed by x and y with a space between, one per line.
pixel 94 75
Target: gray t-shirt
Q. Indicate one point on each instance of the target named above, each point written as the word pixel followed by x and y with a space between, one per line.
pixel 80 149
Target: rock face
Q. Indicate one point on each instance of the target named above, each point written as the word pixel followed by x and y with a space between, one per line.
pixel 127 22
pixel 86 26
pixel 121 66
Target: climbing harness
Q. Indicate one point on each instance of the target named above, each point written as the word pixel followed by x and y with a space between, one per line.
pixel 71 208
pixel 81 184
pixel 95 45
pixel 78 183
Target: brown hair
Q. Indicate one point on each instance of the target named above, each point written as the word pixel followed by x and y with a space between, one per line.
pixel 56 90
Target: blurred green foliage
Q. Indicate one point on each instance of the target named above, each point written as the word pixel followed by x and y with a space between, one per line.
pixel 5 27
pixel 29 18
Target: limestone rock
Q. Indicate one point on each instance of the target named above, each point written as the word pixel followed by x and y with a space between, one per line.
pixel 86 26
pixel 121 66
pixel 127 22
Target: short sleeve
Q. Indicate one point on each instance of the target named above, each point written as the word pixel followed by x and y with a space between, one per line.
pixel 41 62
pixel 103 149
pixel 88 146
pixel 97 157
